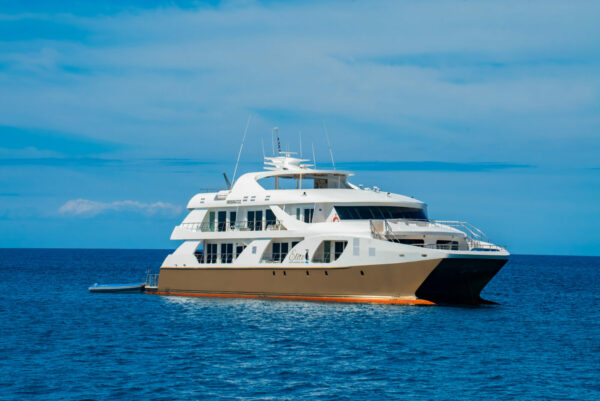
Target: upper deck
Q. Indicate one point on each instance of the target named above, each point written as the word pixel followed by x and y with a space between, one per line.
pixel 289 180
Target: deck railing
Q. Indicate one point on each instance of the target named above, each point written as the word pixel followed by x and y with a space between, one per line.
pixel 475 238
pixel 241 225
pixel 151 280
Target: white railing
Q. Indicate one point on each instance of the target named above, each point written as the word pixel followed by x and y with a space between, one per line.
pixel 472 232
pixel 151 280
pixel 475 238
pixel 242 225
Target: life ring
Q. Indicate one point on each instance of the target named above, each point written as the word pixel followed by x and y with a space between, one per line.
pixel 336 219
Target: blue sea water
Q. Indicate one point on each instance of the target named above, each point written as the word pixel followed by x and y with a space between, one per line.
pixel 58 341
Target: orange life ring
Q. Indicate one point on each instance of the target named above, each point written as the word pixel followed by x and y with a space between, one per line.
pixel 336 219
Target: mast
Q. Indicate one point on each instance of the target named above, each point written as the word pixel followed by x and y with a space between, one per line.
pixel 241 147
pixel 329 144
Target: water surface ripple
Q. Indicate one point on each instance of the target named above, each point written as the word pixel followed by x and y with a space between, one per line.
pixel 58 341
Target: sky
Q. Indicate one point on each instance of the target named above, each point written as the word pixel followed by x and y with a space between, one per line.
pixel 113 114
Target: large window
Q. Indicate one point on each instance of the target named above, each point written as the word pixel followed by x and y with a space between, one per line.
pixel 308 215
pixel 221 220
pixel 339 249
pixel 232 217
pixel 280 251
pixel 211 253
pixel 226 253
pixel 379 212
pixel 255 220
pixel 239 249
pixel 304 181
pixel 269 218
pixel 329 251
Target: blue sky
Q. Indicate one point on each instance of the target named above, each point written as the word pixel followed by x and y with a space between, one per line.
pixel 112 115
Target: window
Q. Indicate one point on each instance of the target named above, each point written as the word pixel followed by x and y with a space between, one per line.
pixel 320 183
pixel 410 241
pixel 258 221
pixel 211 221
pixel 379 212
pixel 255 220
pixel 211 253
pixel 339 249
pixel 280 251
pixel 251 218
pixel 298 210
pixel 308 215
pixel 239 249
pixel 232 218
pixel 329 251
pixel 304 181
pixel 199 253
pixel 226 253
pixel 448 245
pixel 221 220
pixel 269 218
pixel 285 247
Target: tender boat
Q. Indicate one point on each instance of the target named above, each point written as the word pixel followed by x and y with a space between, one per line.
pixel 136 287
pixel 298 232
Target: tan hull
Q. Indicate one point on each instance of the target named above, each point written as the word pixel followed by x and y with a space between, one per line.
pixel 392 283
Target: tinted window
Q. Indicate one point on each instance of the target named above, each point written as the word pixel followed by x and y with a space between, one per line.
pixel 221 218
pixel 379 212
pixel 270 218
pixel 339 248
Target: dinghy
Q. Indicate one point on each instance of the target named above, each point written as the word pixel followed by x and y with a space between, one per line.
pixel 136 287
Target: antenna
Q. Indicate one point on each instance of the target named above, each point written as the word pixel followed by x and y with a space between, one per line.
pixel 314 158
pixel 273 141
pixel 276 129
pixel 227 180
pixel 329 143
pixel 300 140
pixel 241 147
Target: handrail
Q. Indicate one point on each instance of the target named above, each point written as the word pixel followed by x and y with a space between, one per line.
pixel 151 280
pixel 213 258
pixel 476 238
pixel 239 225
pixel 210 190
pixel 469 229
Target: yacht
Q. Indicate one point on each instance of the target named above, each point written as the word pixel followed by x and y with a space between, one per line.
pixel 297 232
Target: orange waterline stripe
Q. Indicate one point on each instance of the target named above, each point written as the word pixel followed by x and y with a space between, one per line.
pixel 325 299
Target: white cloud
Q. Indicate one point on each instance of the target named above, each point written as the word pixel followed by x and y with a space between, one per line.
pixel 507 74
pixel 89 208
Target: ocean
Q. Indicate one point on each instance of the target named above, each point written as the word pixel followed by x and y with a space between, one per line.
pixel 60 342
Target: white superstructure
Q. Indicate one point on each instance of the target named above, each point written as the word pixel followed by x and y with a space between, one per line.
pixel 292 216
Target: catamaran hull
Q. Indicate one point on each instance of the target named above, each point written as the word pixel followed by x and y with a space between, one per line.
pixel 432 281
